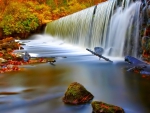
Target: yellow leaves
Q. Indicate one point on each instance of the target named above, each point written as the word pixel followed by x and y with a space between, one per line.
pixel 46 21
pixel 75 6
pixel 44 10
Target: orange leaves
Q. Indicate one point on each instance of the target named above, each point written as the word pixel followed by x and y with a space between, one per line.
pixel 56 3
pixel 9 39
pixel 8 45
pixel 98 1
pixel 90 2
pixel 8 68
pixel 105 106
pixel 13 65
pixel 1 54
pixel 15 62
pixel 38 60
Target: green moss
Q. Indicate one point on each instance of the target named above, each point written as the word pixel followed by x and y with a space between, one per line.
pixel 101 107
pixel 76 94
pixel 18 19
pixel 75 90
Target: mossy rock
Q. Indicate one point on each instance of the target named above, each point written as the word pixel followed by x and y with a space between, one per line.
pixel 77 94
pixel 101 107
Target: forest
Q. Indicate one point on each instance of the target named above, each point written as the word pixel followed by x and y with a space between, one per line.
pixel 18 18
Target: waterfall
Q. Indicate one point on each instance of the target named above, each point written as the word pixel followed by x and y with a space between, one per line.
pixel 123 32
pixel 113 24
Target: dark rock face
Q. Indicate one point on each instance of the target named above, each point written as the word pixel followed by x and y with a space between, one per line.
pixel 146 48
pixel 145 31
pixel 77 94
pixel 101 107
pixel 144 16
pixel 148 11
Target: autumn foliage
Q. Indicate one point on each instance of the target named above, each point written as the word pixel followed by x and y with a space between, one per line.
pixel 25 16
pixel 10 61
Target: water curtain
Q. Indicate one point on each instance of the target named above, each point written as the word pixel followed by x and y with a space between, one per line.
pixel 113 25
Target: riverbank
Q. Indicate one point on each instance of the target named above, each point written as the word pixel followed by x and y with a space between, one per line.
pixel 10 61
pixel 20 19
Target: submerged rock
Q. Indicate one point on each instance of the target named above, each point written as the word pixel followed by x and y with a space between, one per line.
pixel 77 94
pixel 101 107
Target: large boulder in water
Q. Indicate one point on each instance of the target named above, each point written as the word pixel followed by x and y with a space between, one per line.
pixel 101 107
pixel 77 94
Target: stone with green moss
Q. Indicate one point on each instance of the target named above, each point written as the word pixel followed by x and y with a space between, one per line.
pixel 77 94
pixel 101 107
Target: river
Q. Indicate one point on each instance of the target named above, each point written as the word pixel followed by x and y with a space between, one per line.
pixel 39 88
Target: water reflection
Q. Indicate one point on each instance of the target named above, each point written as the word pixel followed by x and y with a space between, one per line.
pixel 139 87
pixel 40 88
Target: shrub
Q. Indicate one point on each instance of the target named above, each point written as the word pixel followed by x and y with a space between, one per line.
pixel 42 11
pixel 17 18
pixel 75 6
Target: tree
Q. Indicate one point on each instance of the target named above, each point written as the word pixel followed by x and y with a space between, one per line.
pixel 18 19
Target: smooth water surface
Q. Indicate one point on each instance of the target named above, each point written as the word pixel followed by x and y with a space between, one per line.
pixel 40 88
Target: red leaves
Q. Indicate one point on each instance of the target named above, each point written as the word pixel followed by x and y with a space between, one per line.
pixel 137 71
pixel 8 45
pixel 85 98
pixel 14 62
pixel 145 77
pixel 1 54
pixel 9 39
pixel 9 68
pixel 13 65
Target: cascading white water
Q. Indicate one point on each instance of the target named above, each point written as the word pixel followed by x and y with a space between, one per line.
pixel 75 28
pixel 124 31
pixel 111 26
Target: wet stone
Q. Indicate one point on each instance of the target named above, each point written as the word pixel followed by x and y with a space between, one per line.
pixel 101 107
pixel 77 94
